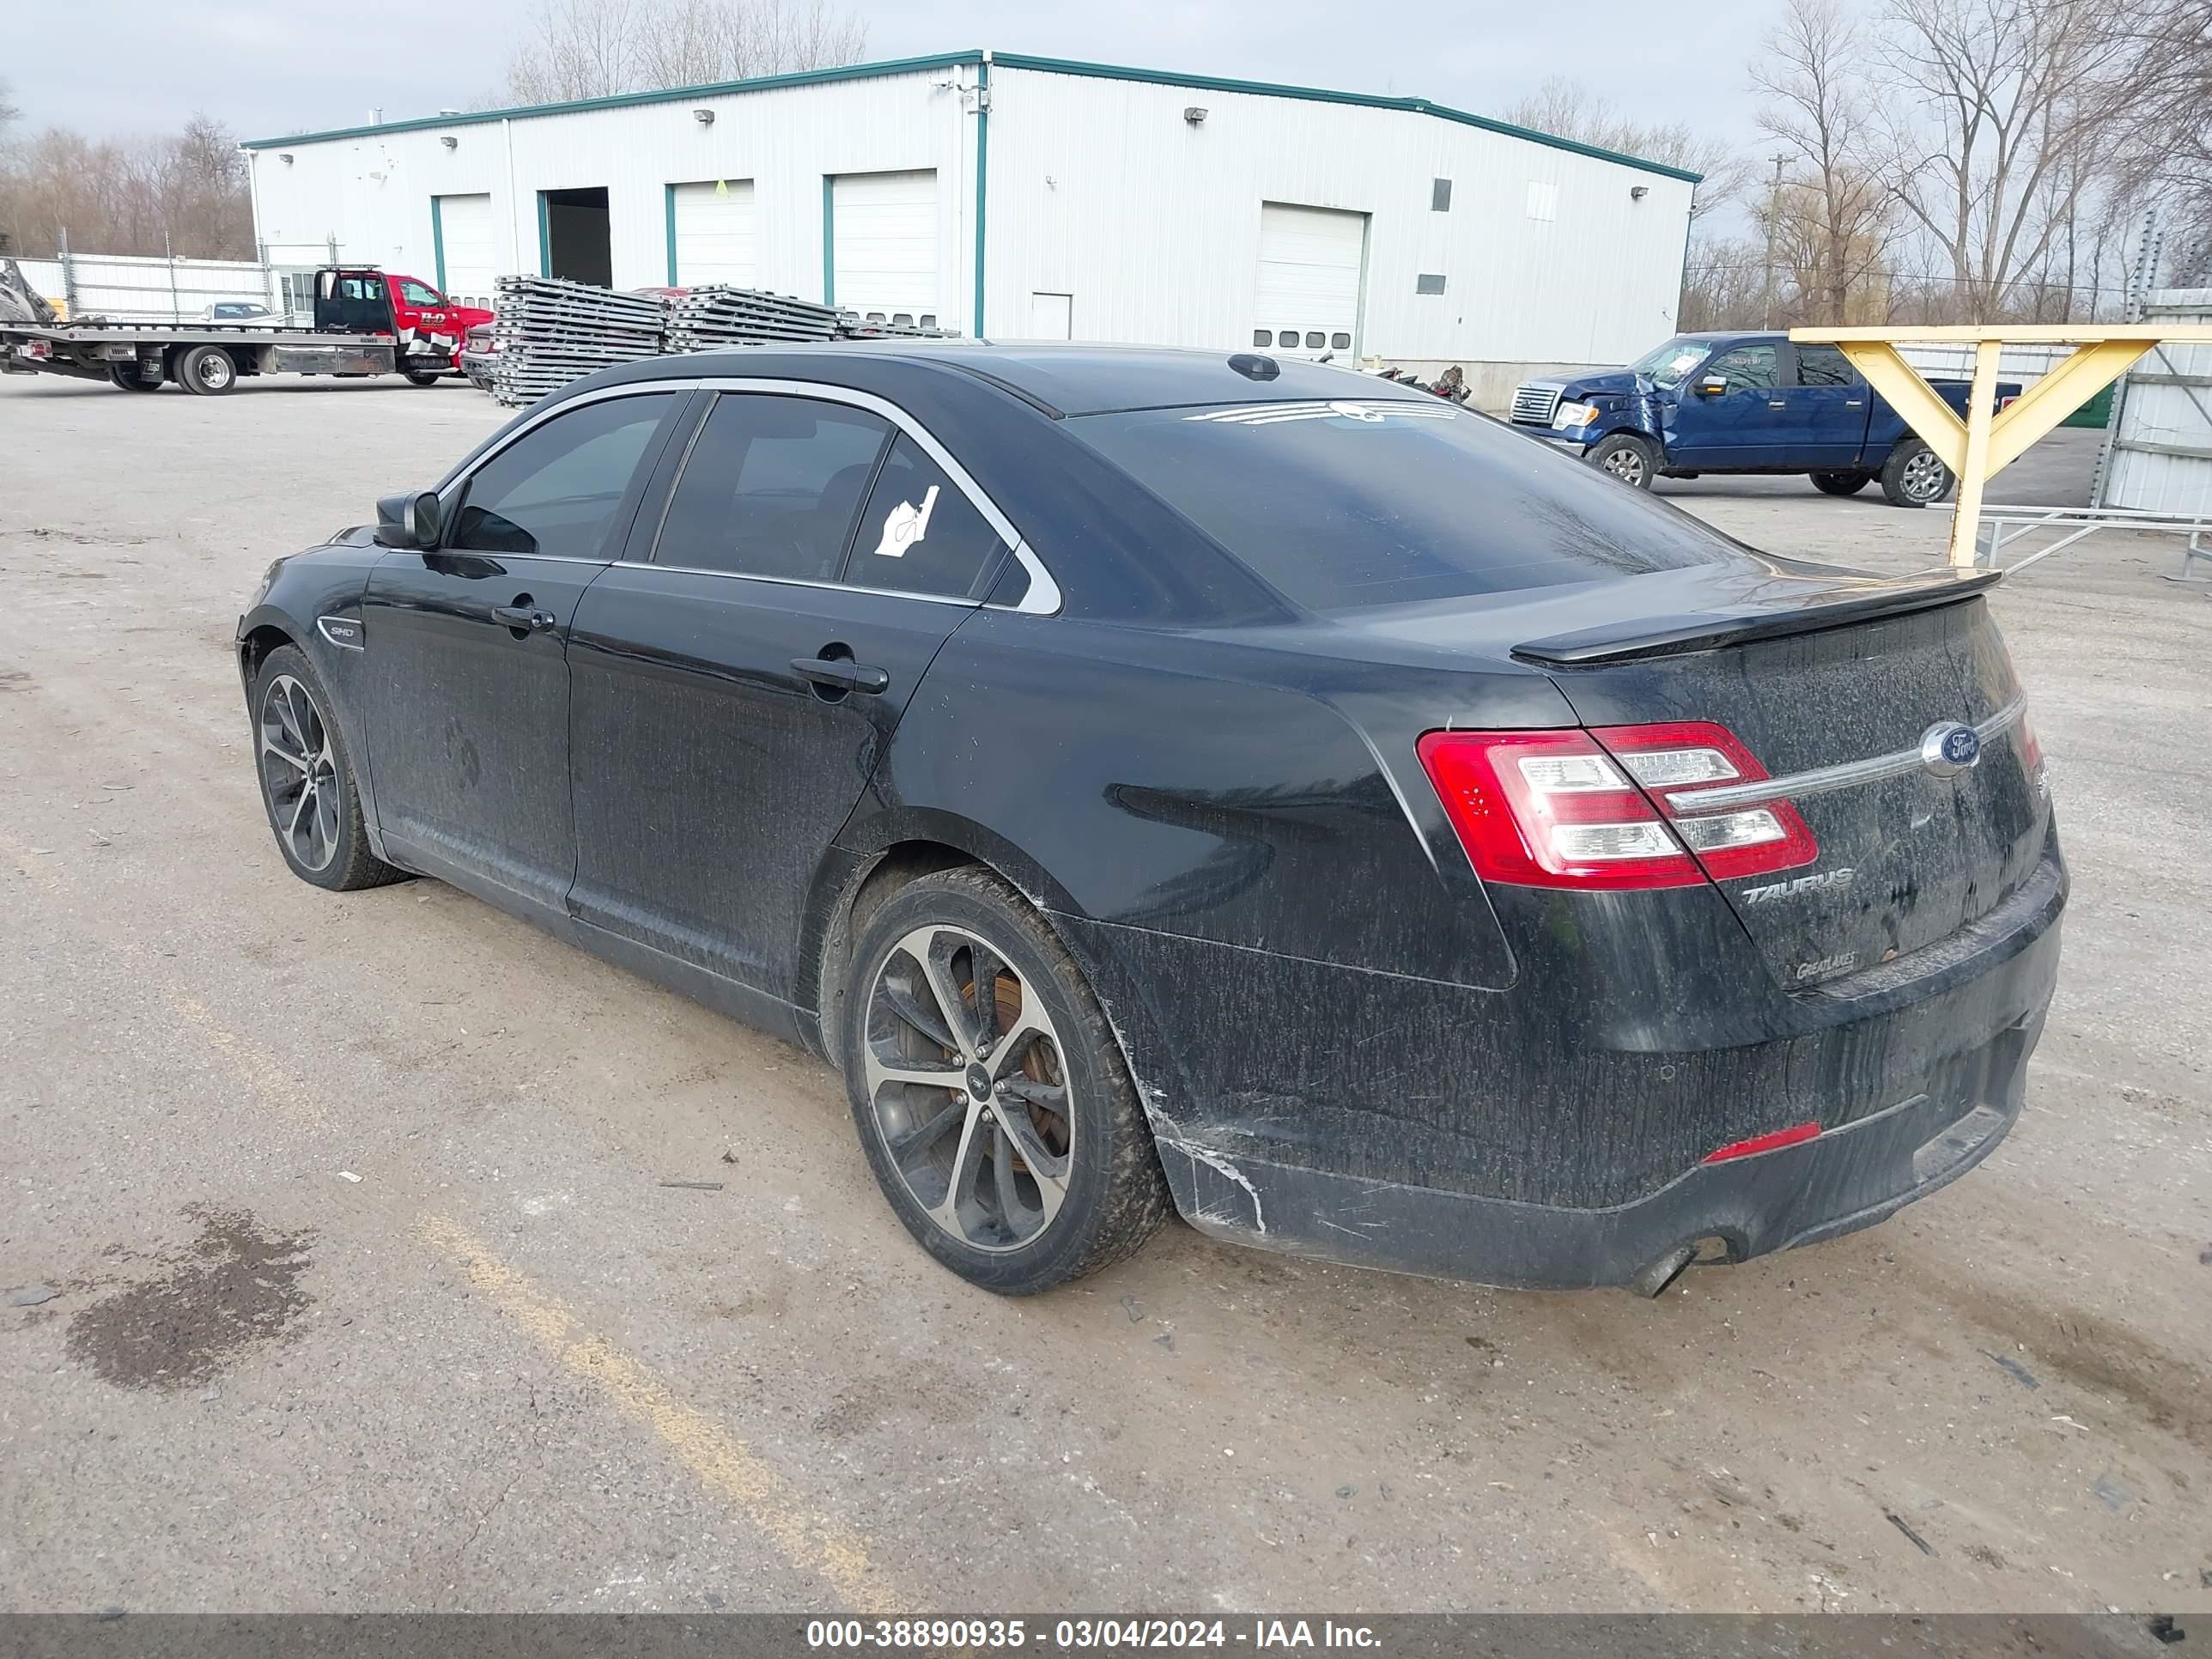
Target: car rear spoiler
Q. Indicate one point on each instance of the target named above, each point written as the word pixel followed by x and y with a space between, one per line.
pixel 1764 615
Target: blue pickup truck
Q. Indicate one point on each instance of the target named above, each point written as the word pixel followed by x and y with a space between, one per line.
pixel 1740 402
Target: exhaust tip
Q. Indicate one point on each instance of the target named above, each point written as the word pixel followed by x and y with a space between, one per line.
pixel 1654 1276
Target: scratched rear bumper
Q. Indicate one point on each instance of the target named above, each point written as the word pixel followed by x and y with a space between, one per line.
pixel 1458 1157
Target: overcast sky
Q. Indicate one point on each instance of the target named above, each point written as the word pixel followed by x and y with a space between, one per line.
pixel 269 67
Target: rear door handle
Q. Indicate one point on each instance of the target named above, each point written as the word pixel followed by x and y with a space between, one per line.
pixel 841 672
pixel 1778 403
pixel 524 616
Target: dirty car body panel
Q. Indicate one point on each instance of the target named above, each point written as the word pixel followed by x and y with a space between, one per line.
pixel 1198 691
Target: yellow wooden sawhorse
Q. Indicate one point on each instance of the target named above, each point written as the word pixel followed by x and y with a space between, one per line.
pixel 1991 439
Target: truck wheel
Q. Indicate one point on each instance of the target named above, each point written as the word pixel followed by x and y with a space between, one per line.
pixel 1841 483
pixel 421 377
pixel 1627 458
pixel 133 378
pixel 1912 476
pixel 207 370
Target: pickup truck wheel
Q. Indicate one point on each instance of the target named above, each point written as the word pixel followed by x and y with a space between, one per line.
pixel 421 377
pixel 1912 476
pixel 1627 458
pixel 207 370
pixel 131 377
pixel 1841 483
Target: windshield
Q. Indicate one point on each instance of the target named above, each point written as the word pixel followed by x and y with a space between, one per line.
pixel 1667 365
pixel 1341 505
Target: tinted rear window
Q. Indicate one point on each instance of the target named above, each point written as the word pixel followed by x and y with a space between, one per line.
pixel 1340 505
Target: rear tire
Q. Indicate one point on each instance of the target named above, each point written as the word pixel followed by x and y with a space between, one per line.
pixel 1626 457
pixel 132 377
pixel 1912 476
pixel 1841 483
pixel 1049 1173
pixel 306 778
pixel 208 370
pixel 421 377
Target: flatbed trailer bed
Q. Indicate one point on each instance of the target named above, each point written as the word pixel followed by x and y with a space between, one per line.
pixel 140 356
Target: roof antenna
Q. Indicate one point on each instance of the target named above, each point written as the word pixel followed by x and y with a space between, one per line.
pixel 1253 366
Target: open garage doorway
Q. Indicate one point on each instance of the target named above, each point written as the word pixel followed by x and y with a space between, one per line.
pixel 573 239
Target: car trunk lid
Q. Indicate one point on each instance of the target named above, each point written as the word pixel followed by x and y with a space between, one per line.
pixel 1845 690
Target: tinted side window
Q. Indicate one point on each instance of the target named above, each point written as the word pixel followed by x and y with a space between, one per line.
pixel 1746 367
pixel 1822 365
pixel 554 490
pixel 771 486
pixel 919 533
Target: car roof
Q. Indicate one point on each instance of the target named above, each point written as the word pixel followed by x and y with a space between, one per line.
pixel 1067 380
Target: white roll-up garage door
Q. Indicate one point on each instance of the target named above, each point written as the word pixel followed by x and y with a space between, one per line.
pixel 712 225
pixel 466 263
pixel 883 245
pixel 1311 260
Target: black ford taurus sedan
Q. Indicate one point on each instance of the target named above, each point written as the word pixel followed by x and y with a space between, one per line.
pixel 1157 779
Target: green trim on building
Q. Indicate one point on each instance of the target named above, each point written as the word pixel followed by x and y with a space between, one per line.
pixel 982 180
pixel 829 238
pixel 1005 60
pixel 438 239
pixel 545 238
pixel 670 203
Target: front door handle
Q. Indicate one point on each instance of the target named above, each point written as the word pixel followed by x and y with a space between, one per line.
pixel 526 617
pixel 842 673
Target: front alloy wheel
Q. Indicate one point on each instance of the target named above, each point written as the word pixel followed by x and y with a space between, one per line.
pixel 300 772
pixel 969 1089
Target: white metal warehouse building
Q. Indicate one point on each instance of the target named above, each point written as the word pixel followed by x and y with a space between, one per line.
pixel 1025 199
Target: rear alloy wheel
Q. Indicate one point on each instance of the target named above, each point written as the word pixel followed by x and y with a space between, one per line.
pixel 306 779
pixel 133 377
pixel 989 1092
pixel 1841 483
pixel 1912 476
pixel 1627 458
pixel 208 370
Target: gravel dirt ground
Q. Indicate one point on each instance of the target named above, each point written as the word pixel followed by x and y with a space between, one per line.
pixel 338 1272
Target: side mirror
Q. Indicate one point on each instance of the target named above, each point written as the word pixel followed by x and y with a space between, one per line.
pixel 1712 385
pixel 408 521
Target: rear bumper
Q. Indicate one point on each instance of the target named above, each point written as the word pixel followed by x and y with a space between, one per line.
pixel 1847 1179
pixel 1515 1176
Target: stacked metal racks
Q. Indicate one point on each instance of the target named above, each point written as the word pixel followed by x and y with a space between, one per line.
pixel 551 331
pixel 708 319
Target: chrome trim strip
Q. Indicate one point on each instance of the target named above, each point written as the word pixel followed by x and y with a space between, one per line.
pixel 323 627
pixel 1826 779
pixel 960 600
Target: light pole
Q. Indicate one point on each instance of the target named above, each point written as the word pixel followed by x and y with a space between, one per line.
pixel 1773 224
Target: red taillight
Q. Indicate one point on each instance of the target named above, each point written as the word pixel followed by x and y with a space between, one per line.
pixel 1675 761
pixel 1763 1143
pixel 1576 809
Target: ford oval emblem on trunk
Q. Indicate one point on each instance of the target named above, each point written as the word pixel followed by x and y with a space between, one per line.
pixel 1948 748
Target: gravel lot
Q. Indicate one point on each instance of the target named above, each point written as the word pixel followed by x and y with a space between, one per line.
pixel 336 1272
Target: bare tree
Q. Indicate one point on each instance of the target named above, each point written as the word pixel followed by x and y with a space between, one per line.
pixel 1997 113
pixel 185 194
pixel 1566 109
pixel 597 48
pixel 1840 217
pixel 10 113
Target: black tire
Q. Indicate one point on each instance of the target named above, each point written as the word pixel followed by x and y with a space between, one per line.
pixel 133 378
pixel 1112 1193
pixel 333 851
pixel 1628 457
pixel 1841 483
pixel 1912 476
pixel 421 377
pixel 208 370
